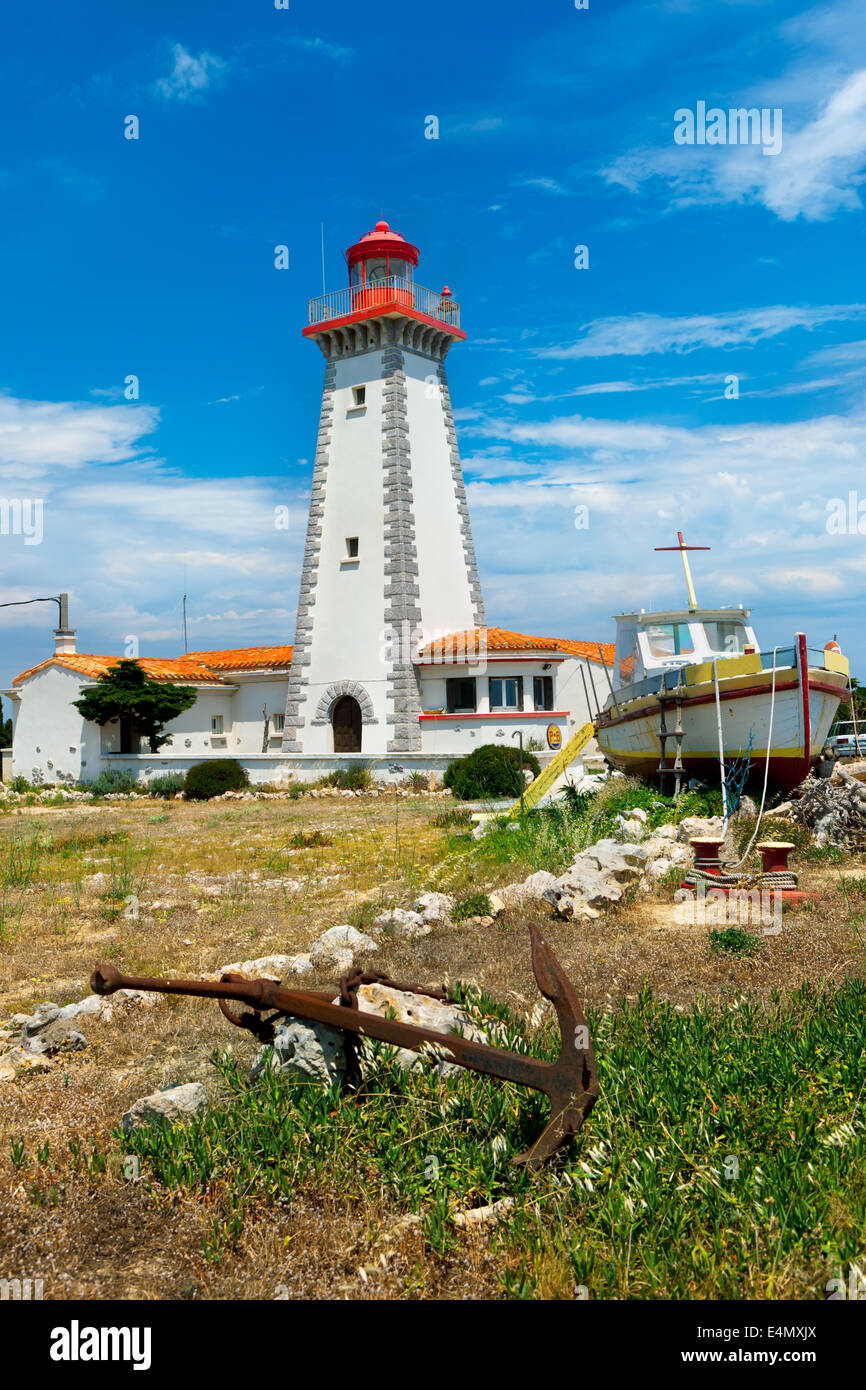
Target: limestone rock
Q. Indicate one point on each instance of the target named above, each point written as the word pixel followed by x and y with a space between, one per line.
pixel 175 1106
pixel 531 889
pixel 665 832
pixel 483 1216
pixel 424 1012
pixel 699 827
pixel 433 907
pixel 267 967
pixel 621 862
pixel 597 877
pixel 402 923
pixel 304 1050
pixel 58 1036
pixel 332 947
pixel 659 867
pixel 42 1015
pixel 17 1061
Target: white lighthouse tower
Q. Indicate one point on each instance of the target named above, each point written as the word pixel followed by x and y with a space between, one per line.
pixel 389 561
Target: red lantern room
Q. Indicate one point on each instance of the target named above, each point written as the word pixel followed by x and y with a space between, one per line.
pixel 381 268
pixel 382 284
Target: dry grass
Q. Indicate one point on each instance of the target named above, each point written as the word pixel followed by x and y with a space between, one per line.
pixel 96 1235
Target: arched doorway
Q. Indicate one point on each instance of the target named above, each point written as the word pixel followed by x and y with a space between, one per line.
pixel 346 723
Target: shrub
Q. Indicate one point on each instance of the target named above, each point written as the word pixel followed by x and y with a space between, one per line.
pixel 113 779
pixel 166 784
pixel 491 770
pixel 418 781
pixel 212 778
pixel 20 784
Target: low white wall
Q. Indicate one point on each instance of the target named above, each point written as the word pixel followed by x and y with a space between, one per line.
pixel 265 767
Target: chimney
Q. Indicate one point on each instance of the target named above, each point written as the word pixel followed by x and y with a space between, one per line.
pixel 64 635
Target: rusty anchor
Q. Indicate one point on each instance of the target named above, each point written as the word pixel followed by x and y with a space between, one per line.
pixel 570 1083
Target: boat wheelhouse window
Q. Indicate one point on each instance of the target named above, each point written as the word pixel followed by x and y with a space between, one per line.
pixel 542 692
pixel 669 639
pixel 725 637
pixel 460 694
pixel 506 692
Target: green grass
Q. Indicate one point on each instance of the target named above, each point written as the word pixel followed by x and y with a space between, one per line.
pixel 726 1157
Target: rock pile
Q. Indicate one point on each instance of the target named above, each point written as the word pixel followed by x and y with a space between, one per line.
pixel 600 874
pixel 834 809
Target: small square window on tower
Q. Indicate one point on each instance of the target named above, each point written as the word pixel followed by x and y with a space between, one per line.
pixel 359 395
pixel 351 547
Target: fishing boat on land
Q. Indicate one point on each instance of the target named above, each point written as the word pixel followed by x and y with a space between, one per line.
pixel 692 695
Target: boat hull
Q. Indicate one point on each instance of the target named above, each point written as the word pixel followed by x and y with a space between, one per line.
pixel 628 733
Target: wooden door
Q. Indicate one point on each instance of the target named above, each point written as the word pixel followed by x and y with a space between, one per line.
pixel 346 721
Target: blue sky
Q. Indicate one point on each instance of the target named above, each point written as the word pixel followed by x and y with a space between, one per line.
pixel 601 387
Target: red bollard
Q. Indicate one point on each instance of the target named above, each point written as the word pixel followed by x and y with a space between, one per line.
pixel 774 856
pixel 707 854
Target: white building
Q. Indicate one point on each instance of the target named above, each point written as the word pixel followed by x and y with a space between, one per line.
pixel 393 663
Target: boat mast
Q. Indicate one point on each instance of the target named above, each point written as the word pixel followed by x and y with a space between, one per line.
pixel 682 548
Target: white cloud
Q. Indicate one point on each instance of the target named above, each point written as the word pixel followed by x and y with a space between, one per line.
pixel 636 335
pixel 37 437
pixel 756 493
pixel 192 74
pixel 818 172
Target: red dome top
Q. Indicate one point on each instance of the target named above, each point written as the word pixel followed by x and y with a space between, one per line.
pixel 382 242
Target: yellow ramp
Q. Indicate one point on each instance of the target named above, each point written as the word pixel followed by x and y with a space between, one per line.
pixel 548 775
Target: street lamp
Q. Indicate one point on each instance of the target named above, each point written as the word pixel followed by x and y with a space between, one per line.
pixel 518 733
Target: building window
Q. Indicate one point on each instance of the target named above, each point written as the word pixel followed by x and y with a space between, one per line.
pixel 216 724
pixel 359 395
pixel 460 695
pixel 279 723
pixel 506 692
pixel 542 692
pixel 352 547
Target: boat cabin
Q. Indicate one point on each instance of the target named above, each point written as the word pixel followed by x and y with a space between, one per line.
pixel 647 643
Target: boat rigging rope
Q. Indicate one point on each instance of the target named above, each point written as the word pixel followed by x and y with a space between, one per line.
pixel 730 867
pixel 721 748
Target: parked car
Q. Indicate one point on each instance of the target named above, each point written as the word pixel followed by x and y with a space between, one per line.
pixel 845 742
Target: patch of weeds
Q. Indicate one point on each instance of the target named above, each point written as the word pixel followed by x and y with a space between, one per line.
pixel 476 905
pixel 455 816
pixel 733 941
pixel 350 779
pixel 306 839
pixel 822 854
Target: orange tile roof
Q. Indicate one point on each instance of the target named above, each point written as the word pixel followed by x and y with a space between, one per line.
pixel 244 658
pixel 499 639
pixel 200 667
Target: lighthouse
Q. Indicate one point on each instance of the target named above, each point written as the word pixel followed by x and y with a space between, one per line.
pixel 389 563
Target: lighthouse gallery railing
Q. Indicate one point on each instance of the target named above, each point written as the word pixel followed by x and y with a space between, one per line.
pixel 392 290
